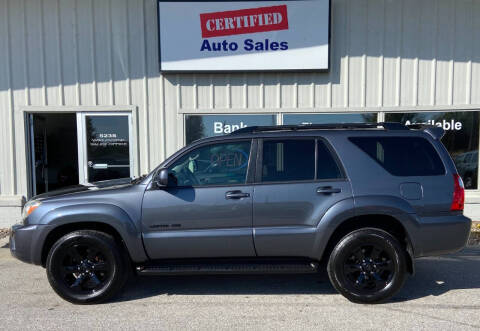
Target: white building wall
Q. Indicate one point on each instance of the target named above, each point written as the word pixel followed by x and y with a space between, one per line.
pixel 95 54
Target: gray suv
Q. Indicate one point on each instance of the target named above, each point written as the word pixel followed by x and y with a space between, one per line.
pixel 366 199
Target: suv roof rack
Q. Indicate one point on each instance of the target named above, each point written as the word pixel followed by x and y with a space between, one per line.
pixel 435 131
pixel 385 125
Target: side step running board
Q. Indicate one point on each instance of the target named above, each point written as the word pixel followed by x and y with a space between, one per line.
pixel 227 268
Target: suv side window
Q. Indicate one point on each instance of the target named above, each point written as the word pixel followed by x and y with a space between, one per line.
pixel 211 165
pixel 327 167
pixel 402 156
pixel 288 160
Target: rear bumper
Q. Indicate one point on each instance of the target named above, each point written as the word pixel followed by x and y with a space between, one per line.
pixel 440 235
pixel 26 242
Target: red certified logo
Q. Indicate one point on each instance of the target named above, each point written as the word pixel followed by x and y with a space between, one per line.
pixel 242 21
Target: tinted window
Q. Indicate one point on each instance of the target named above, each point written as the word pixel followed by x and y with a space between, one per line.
pixel 327 168
pixel 288 160
pixel 402 156
pixel 218 164
pixel 460 139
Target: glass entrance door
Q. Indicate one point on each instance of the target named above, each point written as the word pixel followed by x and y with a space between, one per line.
pixel 106 151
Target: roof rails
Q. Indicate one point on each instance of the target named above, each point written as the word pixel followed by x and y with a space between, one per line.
pixel 257 129
pixel 435 131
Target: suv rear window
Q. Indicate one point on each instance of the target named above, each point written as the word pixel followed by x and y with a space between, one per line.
pixel 402 156
pixel 294 160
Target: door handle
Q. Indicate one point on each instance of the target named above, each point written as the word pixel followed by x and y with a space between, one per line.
pixel 328 190
pixel 236 195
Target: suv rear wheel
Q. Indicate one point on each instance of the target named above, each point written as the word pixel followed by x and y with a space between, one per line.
pixel 367 266
pixel 87 267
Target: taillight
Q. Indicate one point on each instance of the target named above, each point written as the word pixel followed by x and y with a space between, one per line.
pixel 458 193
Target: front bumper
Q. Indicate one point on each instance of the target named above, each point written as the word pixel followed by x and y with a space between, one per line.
pixel 26 242
pixel 440 235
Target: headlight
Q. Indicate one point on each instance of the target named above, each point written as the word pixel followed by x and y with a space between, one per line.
pixel 29 208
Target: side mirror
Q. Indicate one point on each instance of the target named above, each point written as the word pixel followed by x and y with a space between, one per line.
pixel 161 178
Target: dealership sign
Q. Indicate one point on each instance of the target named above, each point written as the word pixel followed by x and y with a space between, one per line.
pixel 244 35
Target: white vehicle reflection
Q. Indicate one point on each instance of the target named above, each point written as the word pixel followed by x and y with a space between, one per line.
pixel 467 166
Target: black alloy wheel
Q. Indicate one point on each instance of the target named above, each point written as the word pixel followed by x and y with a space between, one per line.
pixel 86 267
pixel 367 266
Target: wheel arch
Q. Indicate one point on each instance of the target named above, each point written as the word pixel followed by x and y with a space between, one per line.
pixel 64 229
pixel 101 217
pixel 386 222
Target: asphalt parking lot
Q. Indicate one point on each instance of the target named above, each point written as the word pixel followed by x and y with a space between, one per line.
pixel 444 295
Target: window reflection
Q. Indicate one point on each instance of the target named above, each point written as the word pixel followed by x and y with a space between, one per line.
pixel 292 119
pixel 108 152
pixel 218 164
pixel 202 126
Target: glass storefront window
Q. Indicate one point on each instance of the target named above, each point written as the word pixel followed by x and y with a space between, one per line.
pixel 461 130
pixel 201 126
pixel 461 137
pixel 292 119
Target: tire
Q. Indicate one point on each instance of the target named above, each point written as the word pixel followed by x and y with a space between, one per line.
pixel 367 266
pixel 87 267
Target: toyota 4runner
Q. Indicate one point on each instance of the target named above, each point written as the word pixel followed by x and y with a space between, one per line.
pixel 365 198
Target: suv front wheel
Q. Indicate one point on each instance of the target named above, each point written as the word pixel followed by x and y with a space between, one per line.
pixel 87 267
pixel 367 266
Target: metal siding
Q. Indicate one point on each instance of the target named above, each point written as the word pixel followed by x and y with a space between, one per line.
pixel 384 53
pixel 445 51
pixel 254 91
pixel 410 42
pixel 426 51
pixel 120 45
pixel 102 50
pixel 154 127
pixel 68 51
pixel 462 52
pixel 51 52
pixel 475 59
pixel 270 91
pixel 392 53
pixel 357 52
pixel 34 59
pixel 339 58
pixel 373 88
pixel 5 101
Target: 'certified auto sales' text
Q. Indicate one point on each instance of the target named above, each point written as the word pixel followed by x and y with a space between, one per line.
pixel 244 21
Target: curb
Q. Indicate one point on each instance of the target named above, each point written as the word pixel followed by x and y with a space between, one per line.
pixel 474 238
pixel 4 233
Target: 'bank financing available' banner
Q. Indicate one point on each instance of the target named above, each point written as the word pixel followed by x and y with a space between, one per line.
pixel 244 35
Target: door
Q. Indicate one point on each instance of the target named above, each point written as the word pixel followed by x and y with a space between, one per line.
pixel 38 135
pixel 207 209
pixel 53 165
pixel 106 151
pixel 298 180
